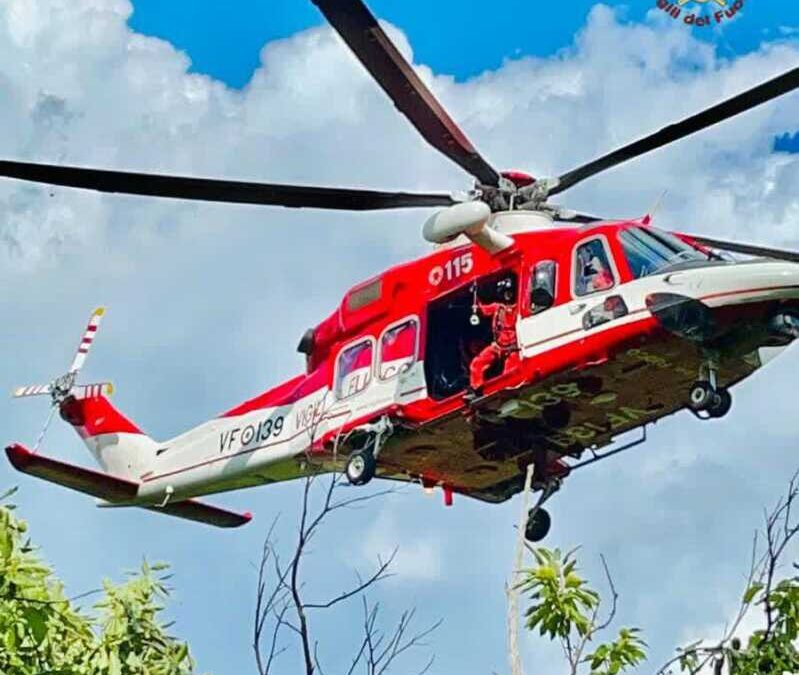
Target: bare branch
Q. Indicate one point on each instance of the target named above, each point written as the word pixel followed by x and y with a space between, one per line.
pixel 347 503
pixel 614 598
pixel 779 532
pixel 380 573
pixel 284 595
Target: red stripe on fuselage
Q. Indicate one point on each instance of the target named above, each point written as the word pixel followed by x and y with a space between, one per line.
pixel 750 290
pixel 246 451
pixel 287 393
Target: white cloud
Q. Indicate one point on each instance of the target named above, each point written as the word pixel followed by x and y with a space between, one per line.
pixel 418 556
pixel 207 301
pixel 85 89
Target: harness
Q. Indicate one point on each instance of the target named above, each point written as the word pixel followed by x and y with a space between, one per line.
pixel 504 328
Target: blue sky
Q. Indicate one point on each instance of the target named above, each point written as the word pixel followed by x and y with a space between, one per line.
pixel 207 302
pixel 461 38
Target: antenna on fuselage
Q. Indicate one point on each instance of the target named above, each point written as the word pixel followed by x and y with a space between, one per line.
pixel 656 207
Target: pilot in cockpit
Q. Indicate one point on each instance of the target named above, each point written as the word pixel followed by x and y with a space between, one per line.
pixel 594 272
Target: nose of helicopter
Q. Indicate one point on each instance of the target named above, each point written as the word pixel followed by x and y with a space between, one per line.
pixel 739 283
pixel 757 281
pixel 697 302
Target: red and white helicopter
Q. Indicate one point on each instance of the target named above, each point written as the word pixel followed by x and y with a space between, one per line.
pixel 614 325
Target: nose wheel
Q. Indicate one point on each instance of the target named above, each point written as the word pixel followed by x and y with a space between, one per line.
pixel 708 402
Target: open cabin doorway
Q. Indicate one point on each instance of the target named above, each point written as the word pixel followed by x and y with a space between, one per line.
pixel 453 340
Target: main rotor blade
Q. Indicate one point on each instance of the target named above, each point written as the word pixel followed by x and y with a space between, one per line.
pixel 747 249
pixel 373 48
pixel 674 132
pixel 213 190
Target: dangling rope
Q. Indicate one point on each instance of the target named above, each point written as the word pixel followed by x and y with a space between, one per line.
pixel 49 419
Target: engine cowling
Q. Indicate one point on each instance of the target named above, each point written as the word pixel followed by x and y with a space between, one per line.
pixel 469 219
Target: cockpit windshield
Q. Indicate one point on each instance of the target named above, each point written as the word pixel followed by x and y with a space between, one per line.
pixel 649 250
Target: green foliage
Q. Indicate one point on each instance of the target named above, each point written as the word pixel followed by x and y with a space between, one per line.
pixel 561 601
pixel 768 650
pixel 41 631
pixel 626 651
pixel 565 608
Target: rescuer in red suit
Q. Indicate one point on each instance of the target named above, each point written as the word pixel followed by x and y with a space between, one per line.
pixel 504 346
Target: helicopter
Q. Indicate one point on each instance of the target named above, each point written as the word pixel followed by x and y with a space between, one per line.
pixel 614 325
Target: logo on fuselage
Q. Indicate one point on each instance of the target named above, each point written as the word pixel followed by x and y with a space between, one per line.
pixel 701 13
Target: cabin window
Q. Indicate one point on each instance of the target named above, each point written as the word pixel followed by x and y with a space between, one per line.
pixel 649 251
pixel 398 348
pixel 542 286
pixel 592 268
pixel 354 368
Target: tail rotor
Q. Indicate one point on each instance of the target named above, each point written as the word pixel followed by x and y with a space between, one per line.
pixel 65 385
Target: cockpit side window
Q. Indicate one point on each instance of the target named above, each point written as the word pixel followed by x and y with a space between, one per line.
pixel 648 250
pixel 592 269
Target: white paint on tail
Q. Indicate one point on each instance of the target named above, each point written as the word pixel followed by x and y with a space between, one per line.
pixel 123 455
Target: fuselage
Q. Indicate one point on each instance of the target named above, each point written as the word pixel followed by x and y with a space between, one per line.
pixel 399 344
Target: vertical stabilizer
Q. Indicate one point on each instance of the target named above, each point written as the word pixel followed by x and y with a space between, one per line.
pixel 118 445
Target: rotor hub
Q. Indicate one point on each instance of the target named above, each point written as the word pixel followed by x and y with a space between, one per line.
pixel 519 178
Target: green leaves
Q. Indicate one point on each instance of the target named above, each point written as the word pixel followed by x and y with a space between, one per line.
pixel 752 591
pixel 766 651
pixel 626 651
pixel 41 632
pixel 561 601
pixel 565 608
pixel 133 640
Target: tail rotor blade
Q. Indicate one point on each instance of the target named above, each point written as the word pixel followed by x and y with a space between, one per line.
pixel 82 391
pixel 32 390
pixel 87 340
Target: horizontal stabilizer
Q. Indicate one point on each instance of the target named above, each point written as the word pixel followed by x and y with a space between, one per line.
pixel 88 481
pixel 115 491
pixel 32 390
pixel 191 509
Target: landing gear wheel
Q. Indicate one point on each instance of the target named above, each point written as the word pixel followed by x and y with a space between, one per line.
pixel 701 396
pixel 361 466
pixel 721 404
pixel 538 524
pixel 714 403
